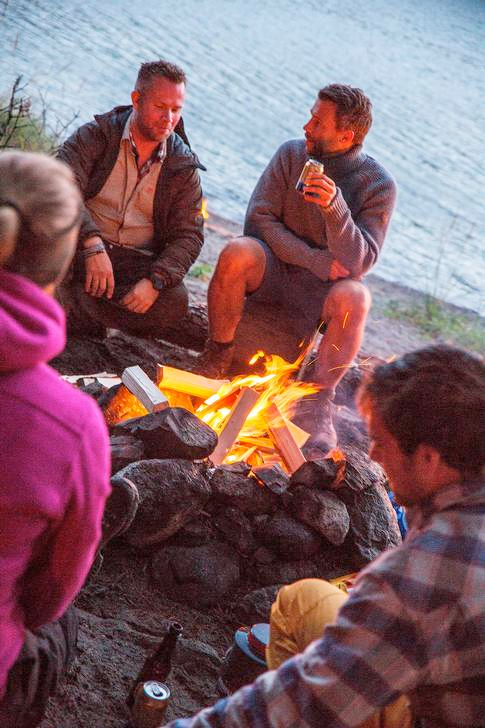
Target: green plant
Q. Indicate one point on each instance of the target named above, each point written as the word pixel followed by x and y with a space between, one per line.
pixel 21 129
pixel 202 271
pixel 440 321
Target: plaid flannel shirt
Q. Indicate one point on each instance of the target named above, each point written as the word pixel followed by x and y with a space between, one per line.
pixel 414 623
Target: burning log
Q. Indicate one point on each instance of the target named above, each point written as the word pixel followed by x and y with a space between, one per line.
pixel 140 384
pixel 245 402
pixel 284 438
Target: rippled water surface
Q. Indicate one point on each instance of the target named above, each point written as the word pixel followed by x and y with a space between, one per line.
pixel 254 68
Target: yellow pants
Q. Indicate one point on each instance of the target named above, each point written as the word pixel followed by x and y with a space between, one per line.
pixel 298 617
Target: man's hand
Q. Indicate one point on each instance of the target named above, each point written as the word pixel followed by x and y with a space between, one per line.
pixel 319 189
pixel 141 297
pixel 337 270
pixel 99 279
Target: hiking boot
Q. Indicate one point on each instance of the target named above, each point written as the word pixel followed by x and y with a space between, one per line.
pixel 323 436
pixel 215 360
pixel 120 509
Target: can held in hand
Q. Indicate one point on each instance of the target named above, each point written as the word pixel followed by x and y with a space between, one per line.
pixel 311 165
pixel 151 699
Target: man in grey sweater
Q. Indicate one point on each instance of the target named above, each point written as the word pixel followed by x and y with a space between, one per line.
pixel 309 251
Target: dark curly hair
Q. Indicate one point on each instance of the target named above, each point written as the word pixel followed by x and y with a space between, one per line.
pixel 354 109
pixel 159 69
pixel 434 396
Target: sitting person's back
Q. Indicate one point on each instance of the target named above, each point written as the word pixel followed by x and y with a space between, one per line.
pixel 55 459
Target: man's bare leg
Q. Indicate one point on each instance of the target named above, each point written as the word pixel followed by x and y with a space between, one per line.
pixel 239 271
pixel 345 312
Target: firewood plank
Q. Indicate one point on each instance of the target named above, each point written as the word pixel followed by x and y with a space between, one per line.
pixel 187 382
pixel 283 438
pixel 241 408
pixel 140 384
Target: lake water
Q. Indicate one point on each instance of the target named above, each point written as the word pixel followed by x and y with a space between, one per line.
pixel 254 68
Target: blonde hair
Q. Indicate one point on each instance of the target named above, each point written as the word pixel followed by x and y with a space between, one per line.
pixel 39 215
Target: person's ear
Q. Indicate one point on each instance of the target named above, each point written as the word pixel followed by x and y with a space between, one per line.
pixel 135 98
pixel 9 230
pixel 347 136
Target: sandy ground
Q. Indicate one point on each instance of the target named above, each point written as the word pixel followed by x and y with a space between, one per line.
pixel 123 615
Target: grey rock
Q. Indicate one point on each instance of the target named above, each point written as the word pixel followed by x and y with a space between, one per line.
pixel 318 474
pixel 285 572
pixel 200 576
pixel 196 533
pixel 255 607
pixel 292 539
pixel 172 492
pixel 125 449
pixel 273 477
pixel 374 526
pixel 236 529
pixel 234 488
pixel 323 511
pixel 171 433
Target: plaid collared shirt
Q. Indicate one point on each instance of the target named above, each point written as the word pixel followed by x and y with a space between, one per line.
pixel 414 623
pixel 158 155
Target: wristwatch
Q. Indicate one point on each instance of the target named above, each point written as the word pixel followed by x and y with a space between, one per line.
pixel 157 283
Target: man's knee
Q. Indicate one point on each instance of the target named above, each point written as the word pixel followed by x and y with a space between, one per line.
pixel 348 299
pixel 240 257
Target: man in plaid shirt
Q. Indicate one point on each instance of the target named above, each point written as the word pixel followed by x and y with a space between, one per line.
pixel 415 620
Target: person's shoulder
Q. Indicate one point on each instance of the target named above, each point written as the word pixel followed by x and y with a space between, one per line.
pixel 376 170
pixel 292 149
pixel 180 155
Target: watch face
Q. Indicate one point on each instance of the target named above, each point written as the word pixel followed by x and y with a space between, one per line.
pixel 157 283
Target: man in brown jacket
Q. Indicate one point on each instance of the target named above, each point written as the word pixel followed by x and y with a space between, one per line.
pixel 143 225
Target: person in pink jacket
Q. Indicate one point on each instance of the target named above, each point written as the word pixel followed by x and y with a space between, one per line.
pixel 54 473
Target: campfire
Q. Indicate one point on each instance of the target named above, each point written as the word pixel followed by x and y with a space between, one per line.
pixel 251 414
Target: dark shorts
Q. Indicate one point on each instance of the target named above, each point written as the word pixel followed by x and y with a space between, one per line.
pixel 44 659
pixel 129 266
pixel 292 288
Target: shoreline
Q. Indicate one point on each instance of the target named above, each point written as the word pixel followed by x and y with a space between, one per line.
pixel 385 335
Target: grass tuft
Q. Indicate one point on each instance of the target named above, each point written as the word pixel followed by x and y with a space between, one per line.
pixel 435 318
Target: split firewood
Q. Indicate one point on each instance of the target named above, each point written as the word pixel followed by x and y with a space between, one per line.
pixel 140 384
pixel 187 382
pixel 243 405
pixel 283 438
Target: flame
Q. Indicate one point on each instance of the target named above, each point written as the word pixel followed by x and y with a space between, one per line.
pixel 274 385
pixel 203 209
pixel 253 444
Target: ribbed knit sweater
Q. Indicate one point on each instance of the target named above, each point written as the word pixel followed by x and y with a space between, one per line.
pixel 351 230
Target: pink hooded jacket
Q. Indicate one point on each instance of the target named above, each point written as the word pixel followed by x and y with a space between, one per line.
pixel 54 470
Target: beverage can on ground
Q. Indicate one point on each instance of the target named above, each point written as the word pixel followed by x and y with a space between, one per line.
pixel 151 699
pixel 311 165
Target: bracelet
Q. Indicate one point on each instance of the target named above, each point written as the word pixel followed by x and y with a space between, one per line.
pixel 91 254
pixel 93 250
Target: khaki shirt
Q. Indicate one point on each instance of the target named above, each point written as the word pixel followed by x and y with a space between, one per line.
pixel 123 208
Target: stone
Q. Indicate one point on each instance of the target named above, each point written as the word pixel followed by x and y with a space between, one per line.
pixel 172 433
pixel 255 607
pixel 125 449
pixel 236 529
pixel 318 474
pixel 232 487
pixel 172 492
pixel 350 428
pixel 196 533
pixel 273 477
pixel 285 572
pixel 199 576
pixel 292 539
pixel 374 526
pixel 323 511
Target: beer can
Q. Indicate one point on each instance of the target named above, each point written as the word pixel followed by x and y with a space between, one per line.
pixel 151 699
pixel 311 165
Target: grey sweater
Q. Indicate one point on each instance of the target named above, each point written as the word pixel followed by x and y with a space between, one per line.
pixel 351 230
